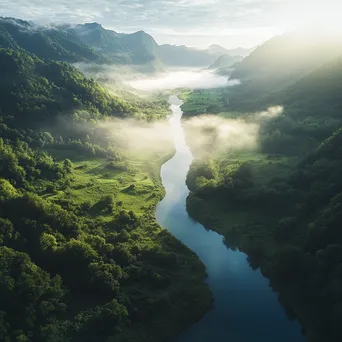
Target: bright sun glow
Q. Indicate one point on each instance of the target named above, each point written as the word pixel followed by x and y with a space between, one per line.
pixel 316 15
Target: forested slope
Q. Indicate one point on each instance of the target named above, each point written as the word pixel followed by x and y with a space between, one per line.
pixel 282 203
pixel 279 63
pixel 82 258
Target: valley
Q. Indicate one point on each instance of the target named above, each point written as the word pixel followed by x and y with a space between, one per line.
pixel 159 192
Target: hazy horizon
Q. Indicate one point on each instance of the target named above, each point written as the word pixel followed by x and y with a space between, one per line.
pixel 196 23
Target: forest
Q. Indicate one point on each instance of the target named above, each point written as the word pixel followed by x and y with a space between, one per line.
pixel 281 202
pixel 82 257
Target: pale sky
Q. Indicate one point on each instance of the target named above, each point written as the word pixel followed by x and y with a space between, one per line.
pixel 200 23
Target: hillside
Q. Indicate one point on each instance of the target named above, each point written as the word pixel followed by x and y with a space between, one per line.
pixel 225 61
pixel 87 43
pixel 295 172
pixel 220 50
pixel 92 43
pixel 48 43
pixel 173 55
pixel 283 60
pixel 82 257
pixel 136 48
pixel 34 91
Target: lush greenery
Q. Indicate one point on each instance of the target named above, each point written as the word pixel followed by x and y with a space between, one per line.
pixel 282 203
pixel 81 255
pixel 202 101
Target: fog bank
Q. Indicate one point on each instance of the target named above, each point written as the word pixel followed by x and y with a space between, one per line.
pixel 182 79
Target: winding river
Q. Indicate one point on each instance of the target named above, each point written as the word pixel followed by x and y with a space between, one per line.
pixel 245 307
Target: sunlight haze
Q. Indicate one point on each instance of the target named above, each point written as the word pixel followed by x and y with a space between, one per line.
pixel 197 23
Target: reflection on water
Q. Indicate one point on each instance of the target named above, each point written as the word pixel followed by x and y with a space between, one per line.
pixel 245 308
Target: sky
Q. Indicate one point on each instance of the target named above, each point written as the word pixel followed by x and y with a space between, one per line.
pixel 199 23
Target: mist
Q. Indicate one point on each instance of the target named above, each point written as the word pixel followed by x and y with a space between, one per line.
pixel 209 135
pixel 135 136
pixel 206 135
pixel 202 79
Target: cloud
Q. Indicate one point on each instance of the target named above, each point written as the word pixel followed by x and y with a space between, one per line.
pixel 185 18
pixel 211 134
pixel 182 79
pixel 231 23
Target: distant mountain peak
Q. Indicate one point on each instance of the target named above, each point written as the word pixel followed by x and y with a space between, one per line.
pixel 15 21
pixel 217 49
pixel 93 25
pixel 140 32
pixel 214 46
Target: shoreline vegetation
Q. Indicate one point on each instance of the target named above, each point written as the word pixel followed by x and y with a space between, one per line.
pixel 279 202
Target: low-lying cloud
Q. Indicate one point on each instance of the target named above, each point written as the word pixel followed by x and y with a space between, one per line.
pixel 206 135
pixel 136 136
pixel 202 79
pixel 272 112
pixel 212 135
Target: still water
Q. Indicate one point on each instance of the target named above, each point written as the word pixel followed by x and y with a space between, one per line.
pixel 245 307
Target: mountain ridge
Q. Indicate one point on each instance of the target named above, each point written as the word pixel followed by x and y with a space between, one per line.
pixel 91 42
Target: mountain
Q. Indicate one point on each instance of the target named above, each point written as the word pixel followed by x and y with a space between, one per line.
pixel 286 58
pixel 220 50
pixel 93 43
pixel 48 43
pixel 35 91
pixel 240 51
pixel 217 49
pixel 135 48
pixel 225 61
pixel 88 43
pixel 173 55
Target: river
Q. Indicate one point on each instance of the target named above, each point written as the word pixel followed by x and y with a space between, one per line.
pixel 245 307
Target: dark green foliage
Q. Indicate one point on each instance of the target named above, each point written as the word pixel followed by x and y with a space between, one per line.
pixel 33 90
pixel 290 208
pixel 30 298
pixel 74 269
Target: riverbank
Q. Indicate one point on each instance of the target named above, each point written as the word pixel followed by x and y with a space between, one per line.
pixel 241 295
pixel 167 293
pixel 280 204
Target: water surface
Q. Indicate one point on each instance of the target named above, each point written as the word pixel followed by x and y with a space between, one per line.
pixel 245 307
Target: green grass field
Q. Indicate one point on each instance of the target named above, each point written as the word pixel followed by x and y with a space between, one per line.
pixel 202 101
pixel 137 188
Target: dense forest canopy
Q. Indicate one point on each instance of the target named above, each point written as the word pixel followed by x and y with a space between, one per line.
pixel 82 257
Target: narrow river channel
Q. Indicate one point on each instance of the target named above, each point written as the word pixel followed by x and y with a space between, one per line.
pixel 245 307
